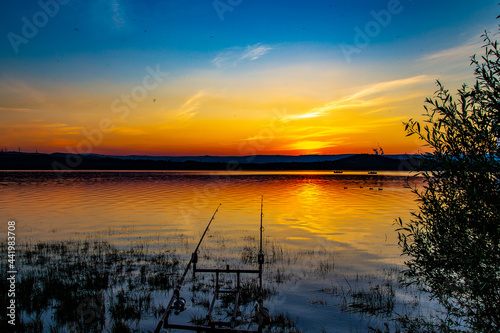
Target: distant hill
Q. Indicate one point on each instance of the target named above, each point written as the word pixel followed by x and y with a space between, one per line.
pixel 230 159
pixel 59 161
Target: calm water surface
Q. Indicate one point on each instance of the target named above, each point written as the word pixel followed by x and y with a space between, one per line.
pixel 310 218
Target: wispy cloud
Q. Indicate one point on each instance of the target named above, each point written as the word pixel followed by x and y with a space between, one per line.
pixel 29 130
pixel 118 14
pixel 367 96
pixel 389 86
pixel 122 130
pixel 190 108
pixel 233 56
pixel 460 52
pixel 15 109
pixel 13 88
pixel 451 65
pixel 311 145
pixel 463 51
pixel 254 52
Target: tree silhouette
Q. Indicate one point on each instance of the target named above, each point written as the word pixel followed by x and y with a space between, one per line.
pixel 453 241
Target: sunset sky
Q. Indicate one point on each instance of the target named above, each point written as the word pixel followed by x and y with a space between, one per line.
pixel 228 77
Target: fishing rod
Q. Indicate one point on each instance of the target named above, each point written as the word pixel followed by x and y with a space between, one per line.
pixel 261 253
pixel 262 312
pixel 260 257
pixel 175 296
pixel 261 228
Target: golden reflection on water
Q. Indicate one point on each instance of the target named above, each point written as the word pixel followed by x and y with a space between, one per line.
pixel 321 229
pixel 352 212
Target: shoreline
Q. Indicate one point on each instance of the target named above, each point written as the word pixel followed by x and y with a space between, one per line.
pixel 59 163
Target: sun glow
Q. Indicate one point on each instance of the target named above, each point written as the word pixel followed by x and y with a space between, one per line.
pixel 176 90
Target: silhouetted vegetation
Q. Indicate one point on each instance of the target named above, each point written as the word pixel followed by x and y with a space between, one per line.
pixel 79 283
pixel 92 286
pixel 453 241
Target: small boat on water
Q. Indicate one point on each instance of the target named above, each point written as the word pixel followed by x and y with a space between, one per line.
pixel 338 171
pixel 372 172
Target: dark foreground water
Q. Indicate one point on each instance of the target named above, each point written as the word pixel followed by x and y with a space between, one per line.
pixel 332 258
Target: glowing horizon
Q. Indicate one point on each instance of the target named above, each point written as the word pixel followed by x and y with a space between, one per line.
pixel 122 78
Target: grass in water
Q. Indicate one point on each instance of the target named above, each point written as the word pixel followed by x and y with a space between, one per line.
pixel 92 286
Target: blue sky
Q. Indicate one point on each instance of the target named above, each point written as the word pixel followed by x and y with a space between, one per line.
pixel 237 57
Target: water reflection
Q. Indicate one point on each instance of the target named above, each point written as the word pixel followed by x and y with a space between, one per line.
pixel 320 228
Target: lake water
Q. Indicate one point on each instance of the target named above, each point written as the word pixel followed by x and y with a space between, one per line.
pixel 329 230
